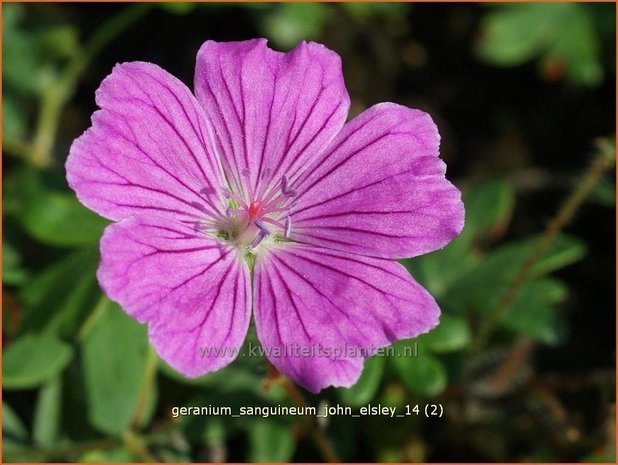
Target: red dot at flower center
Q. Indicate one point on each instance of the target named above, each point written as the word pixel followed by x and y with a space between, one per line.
pixel 254 209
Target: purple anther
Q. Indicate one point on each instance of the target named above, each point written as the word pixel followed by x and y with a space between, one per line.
pixel 285 187
pixel 226 193
pixel 207 191
pixel 199 206
pixel 266 172
pixel 262 227
pixel 288 226
pixel 258 239
pixel 245 172
pixel 229 211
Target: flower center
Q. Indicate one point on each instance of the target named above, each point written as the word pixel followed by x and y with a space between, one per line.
pixel 248 222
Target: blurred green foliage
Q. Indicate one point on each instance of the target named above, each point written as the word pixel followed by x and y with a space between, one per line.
pixel 563 36
pixel 80 380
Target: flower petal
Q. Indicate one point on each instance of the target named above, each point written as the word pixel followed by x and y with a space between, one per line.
pixel 193 292
pixel 272 112
pixel 313 299
pixel 381 189
pixel 147 150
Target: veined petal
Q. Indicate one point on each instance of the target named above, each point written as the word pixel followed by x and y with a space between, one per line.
pixel 336 303
pixel 148 150
pixel 272 112
pixel 381 188
pixel 193 292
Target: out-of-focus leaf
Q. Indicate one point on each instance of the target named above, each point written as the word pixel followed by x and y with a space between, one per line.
pixel 19 56
pixel 33 359
pixel 12 424
pixel 368 9
pixel 178 8
pixel 19 187
pixel 423 375
pixel 367 385
pixel 270 441
pixel 451 334
pixel 290 23
pixel 13 120
pixel 59 219
pixel 47 413
pixel 12 272
pixel 489 206
pixel 61 296
pixel 438 270
pixel 114 352
pixel 118 455
pixel 560 33
pixel 532 313
pixel 481 289
pixel 59 41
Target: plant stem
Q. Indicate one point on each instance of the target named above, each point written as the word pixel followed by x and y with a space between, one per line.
pixel 603 161
pixel 57 94
pixel 146 388
pixel 136 446
pixel 320 439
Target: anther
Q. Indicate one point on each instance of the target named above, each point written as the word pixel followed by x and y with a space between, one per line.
pixel 288 226
pixel 262 227
pixel 257 239
pixel 285 187
pixel 199 206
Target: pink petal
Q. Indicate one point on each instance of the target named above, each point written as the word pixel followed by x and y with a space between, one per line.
pixel 147 150
pixel 381 189
pixel 272 112
pixel 307 296
pixel 193 292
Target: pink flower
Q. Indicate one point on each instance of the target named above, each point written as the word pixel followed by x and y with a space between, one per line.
pixel 256 194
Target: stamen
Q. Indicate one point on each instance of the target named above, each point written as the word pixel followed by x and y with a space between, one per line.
pixel 258 239
pixel 266 172
pixel 288 226
pixel 199 206
pixel 228 194
pixel 207 191
pixel 262 227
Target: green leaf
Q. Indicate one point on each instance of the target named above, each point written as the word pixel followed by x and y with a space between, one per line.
pixel 60 297
pixel 13 273
pixel 514 34
pixel 368 384
pixel 481 289
pixel 560 33
pixel 533 312
pixel 292 22
pixel 12 424
pixel 114 352
pixel 33 359
pixel 118 455
pixel 451 334
pixel 270 441
pixel 438 270
pixel 177 8
pixel 57 218
pixel 489 206
pixel 423 375
pixel 13 119
pixel 59 41
pixel 47 413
